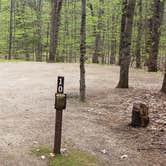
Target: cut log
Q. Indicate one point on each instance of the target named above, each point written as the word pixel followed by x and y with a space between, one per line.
pixel 140 114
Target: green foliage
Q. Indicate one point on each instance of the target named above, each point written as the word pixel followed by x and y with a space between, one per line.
pixel 31 26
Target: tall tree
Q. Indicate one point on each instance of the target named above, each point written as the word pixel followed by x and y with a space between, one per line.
pixel 163 89
pixel 11 28
pixel 113 41
pixel 125 56
pixel 37 7
pixel 54 29
pixel 139 36
pixel 83 52
pixel 39 30
pixel 98 40
pixel 154 26
pixel 123 21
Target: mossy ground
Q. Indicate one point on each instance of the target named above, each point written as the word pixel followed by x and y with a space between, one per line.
pixel 72 158
pixel 41 150
pixel 75 158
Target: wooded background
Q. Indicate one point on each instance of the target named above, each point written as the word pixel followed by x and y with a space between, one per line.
pixel 25 31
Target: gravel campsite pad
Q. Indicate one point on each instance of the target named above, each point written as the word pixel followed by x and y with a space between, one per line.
pixel 99 126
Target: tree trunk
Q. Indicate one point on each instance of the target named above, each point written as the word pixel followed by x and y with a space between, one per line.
pixel 164 84
pixel 54 29
pixel 113 41
pixel 155 32
pixel 11 29
pixel 123 20
pixel 126 45
pixel 83 52
pixel 39 31
pixel 163 89
pixel 97 51
pixel 47 36
pixel 139 37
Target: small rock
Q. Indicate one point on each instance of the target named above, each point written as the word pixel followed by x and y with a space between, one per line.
pixel 37 150
pixel 153 128
pixel 124 156
pixel 162 130
pixel 63 151
pixel 103 151
pixel 43 157
pixel 35 142
pixel 160 121
pixel 91 109
pixel 52 155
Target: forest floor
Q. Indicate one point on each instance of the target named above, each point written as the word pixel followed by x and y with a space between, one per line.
pixel 100 126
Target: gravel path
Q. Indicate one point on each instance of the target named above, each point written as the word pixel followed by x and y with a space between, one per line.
pixel 27 114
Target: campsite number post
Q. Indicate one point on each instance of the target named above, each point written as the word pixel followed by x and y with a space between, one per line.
pixel 60 105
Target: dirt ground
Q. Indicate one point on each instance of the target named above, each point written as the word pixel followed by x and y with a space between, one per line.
pixel 27 114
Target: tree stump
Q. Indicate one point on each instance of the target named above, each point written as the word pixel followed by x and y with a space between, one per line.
pixel 140 115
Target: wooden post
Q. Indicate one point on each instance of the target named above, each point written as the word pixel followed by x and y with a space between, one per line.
pixel 58 132
pixel 60 104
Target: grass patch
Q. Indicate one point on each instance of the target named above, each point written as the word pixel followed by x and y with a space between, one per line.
pixel 41 150
pixel 75 158
pixel 71 158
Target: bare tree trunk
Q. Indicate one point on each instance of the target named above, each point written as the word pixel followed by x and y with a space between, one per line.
pixel 123 20
pixel 97 51
pixel 164 84
pixel 39 31
pixel 83 52
pixel 14 32
pixel 11 28
pixel 155 32
pixel 75 30
pixel 47 44
pixel 139 37
pixel 54 29
pixel 113 41
pixel 163 89
pixel 126 45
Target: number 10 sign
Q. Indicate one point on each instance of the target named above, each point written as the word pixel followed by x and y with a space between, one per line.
pixel 60 87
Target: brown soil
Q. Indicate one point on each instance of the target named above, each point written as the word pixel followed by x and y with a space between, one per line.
pixel 27 114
